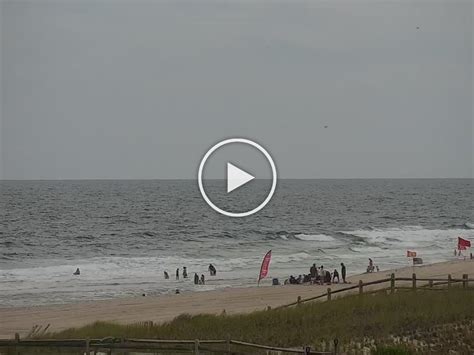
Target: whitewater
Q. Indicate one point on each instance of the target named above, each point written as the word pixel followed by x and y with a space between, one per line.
pixel 124 234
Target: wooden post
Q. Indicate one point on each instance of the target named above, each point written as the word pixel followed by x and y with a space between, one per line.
pixel 449 280
pixel 298 300
pixel 17 337
pixel 88 351
pixel 361 287
pixel 431 283
pixel 392 283
pixel 413 281
pixel 228 345
pixel 329 293
pixel 464 282
pixel 336 343
pixel 196 347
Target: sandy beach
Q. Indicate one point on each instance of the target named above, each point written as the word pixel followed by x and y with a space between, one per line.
pixel 166 307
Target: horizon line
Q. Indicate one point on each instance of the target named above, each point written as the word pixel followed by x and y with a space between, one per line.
pixel 218 179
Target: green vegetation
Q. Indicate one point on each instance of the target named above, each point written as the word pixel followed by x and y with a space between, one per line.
pixel 391 350
pixel 351 319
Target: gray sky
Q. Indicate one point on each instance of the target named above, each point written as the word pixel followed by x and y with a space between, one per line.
pixel 108 89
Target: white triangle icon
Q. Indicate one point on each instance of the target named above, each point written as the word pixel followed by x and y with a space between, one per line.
pixel 236 177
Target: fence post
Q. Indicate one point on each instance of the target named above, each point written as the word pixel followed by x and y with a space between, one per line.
pixel 298 300
pixel 17 337
pixel 228 345
pixel 464 282
pixel 392 283
pixel 196 347
pixel 329 293
pixel 88 351
pixel 361 287
pixel 336 342
pixel 430 283
pixel 449 280
pixel 413 279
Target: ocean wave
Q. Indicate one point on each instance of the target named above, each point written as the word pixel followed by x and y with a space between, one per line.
pixel 314 237
pixel 469 225
pixel 280 258
pixel 410 236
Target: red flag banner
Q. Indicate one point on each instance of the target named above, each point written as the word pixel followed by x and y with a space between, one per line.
pixel 463 243
pixel 411 254
pixel 265 265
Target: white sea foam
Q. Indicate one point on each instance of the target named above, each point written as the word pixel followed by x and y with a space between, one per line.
pixel 469 225
pixel 412 236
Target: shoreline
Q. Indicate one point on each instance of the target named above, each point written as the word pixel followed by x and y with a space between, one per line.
pixel 164 308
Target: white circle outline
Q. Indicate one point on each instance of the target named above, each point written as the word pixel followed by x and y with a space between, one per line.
pixel 244 141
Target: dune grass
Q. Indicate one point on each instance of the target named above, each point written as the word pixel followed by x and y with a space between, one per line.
pixel 347 318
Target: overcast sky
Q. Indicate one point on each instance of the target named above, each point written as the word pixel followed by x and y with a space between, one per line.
pixel 108 89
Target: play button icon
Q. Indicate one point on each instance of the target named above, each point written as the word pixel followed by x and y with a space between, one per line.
pixel 236 177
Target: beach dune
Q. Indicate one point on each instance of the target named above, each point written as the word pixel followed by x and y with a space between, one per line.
pixel 166 307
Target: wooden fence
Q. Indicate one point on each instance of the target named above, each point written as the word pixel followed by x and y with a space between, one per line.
pixel 429 284
pixel 108 345
pixel 120 345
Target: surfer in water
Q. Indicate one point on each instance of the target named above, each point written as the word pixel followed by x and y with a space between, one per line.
pixel 185 272
pixel 77 272
pixel 203 280
pixel 166 275
pixel 196 279
pixel 177 274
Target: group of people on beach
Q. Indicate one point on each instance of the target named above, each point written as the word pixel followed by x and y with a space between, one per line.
pixel 197 280
pixel 318 276
pixel 321 276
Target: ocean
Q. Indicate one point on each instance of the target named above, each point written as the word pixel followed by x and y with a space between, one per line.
pixel 124 234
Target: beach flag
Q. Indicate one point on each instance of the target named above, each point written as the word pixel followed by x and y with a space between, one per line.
pixel 411 254
pixel 463 243
pixel 265 266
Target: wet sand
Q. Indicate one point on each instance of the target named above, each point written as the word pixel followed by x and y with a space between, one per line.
pixel 166 307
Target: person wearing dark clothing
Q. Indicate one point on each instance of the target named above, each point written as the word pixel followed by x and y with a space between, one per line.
pixel 212 270
pixel 343 272
pixel 313 271
pixel 327 277
pixel 334 276
pixel 166 275
pixel 177 274
pixel 185 272
pixel 196 279
pixel 203 280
